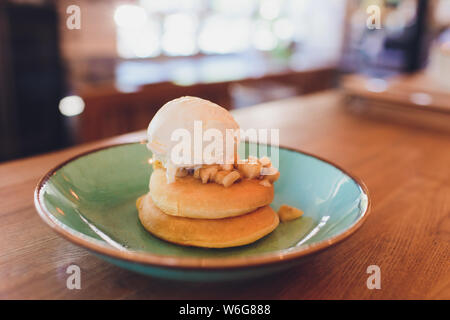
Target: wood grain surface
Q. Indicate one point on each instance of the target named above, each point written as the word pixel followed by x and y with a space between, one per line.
pixel 407 171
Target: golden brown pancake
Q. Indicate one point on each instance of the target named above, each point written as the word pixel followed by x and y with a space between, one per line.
pixel 218 233
pixel 189 197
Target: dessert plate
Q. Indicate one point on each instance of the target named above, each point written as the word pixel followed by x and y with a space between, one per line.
pixel 90 200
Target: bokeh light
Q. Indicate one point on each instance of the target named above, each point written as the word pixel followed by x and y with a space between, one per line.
pixel 71 106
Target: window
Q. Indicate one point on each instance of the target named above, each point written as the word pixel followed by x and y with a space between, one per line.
pixel 151 28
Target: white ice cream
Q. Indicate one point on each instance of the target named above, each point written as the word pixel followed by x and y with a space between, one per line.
pixel 181 113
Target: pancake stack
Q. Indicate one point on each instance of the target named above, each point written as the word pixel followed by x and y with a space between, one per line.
pixel 192 213
pixel 216 202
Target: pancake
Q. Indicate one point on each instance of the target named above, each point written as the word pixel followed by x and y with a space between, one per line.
pixel 218 233
pixel 190 198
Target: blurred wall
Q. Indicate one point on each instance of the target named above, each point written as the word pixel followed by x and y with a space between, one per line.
pixel 84 50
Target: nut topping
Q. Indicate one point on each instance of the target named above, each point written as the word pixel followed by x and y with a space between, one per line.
pixel 227 174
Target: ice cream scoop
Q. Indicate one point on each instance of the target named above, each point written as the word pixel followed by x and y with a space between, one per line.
pixel 194 117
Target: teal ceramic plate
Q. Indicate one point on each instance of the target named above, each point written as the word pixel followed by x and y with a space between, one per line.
pixel 90 200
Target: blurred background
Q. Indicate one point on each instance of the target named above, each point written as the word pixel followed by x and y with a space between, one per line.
pixel 62 85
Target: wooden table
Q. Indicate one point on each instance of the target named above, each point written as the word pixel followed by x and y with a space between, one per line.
pixel 407 171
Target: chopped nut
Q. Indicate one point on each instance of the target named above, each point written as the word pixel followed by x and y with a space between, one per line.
pixel 287 213
pixel 207 174
pixel 211 166
pixel 268 171
pixel 265 161
pixel 273 177
pixel 250 170
pixel 213 172
pixel 227 167
pixel 264 182
pixel 181 172
pixel 204 175
pixel 197 173
pixel 230 178
pixel 220 175
pixel 227 174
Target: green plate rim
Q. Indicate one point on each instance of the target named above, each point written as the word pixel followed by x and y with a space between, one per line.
pixel 175 262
